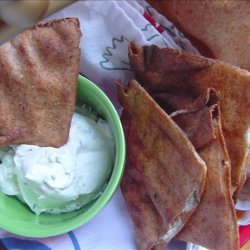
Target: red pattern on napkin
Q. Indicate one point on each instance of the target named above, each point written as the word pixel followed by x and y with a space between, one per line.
pixel 244 235
pixel 151 19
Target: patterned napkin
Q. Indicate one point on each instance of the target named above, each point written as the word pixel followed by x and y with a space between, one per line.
pixel 107 26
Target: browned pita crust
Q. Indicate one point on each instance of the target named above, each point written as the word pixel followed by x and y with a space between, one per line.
pixel 38 78
pixel 172 71
pixel 218 28
pixel 147 221
pixel 213 224
pixel 161 158
pixel 195 117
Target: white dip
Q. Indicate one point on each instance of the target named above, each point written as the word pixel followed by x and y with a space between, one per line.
pixel 56 180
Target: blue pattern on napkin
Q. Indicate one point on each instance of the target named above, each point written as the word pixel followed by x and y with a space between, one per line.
pixel 15 243
pixel 74 241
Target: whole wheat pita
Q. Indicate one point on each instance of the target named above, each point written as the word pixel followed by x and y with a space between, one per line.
pixel 167 70
pixel 161 158
pixel 38 79
pixel 217 28
pixel 213 224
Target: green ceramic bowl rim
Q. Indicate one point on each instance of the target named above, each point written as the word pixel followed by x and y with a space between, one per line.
pixel 107 194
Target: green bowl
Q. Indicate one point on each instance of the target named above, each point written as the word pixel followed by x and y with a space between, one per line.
pixel 17 218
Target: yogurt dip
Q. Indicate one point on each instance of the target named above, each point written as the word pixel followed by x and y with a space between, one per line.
pixel 56 180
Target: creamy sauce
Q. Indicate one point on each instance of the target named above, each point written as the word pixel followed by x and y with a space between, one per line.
pixel 61 179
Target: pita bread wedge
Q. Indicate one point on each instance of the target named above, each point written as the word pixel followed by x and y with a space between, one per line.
pixel 172 71
pixel 162 158
pixel 226 23
pixel 147 221
pixel 213 224
pixel 38 79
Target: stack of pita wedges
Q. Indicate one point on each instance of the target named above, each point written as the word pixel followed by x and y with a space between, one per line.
pixel 38 80
pixel 185 119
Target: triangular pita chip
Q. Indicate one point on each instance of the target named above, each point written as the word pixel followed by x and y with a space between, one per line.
pixel 172 71
pixel 213 224
pixel 38 79
pixel 162 159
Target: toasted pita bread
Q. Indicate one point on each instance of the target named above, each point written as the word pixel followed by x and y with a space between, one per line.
pixel 161 158
pixel 213 224
pixel 218 28
pixel 38 79
pixel 147 221
pixel 168 70
pixel 196 116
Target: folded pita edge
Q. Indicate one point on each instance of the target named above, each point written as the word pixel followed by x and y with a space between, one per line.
pixel 153 139
pixel 213 224
pixel 165 69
